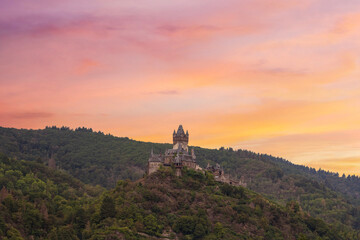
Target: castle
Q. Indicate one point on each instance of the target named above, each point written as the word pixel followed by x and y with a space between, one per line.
pixel 180 157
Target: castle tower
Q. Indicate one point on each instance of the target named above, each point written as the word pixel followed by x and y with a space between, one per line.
pixel 181 139
pixel 178 156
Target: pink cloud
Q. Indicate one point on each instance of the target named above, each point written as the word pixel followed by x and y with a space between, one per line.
pixel 233 71
pixel 86 66
pixel 27 115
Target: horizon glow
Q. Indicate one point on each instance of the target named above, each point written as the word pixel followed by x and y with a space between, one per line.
pixel 277 77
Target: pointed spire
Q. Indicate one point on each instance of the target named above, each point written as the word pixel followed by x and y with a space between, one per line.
pixel 174 132
pixel 180 130
pixel 187 133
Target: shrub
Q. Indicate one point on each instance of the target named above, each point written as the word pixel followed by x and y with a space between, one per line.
pixel 185 225
pixel 151 225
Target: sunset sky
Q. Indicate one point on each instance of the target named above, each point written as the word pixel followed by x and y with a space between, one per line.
pixel 279 77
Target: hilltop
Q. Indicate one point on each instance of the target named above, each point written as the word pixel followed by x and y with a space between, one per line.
pixel 53 205
pixel 195 206
pixel 96 158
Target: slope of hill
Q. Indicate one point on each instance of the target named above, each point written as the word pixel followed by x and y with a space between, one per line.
pixel 34 199
pixel 39 203
pixel 194 206
pixel 104 159
pixel 91 157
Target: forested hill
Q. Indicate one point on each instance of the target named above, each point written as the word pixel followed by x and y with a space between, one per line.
pixel 96 158
pixel 40 203
pixel 91 156
pixel 36 201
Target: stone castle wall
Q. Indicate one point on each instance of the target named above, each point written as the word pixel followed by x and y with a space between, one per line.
pixel 153 166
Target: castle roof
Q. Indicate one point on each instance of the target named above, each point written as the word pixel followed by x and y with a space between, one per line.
pixel 156 158
pixel 180 131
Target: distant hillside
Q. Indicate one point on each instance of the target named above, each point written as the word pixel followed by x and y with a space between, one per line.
pixel 96 158
pixel 40 203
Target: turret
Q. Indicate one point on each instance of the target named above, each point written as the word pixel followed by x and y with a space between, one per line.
pixel 180 139
pixel 180 136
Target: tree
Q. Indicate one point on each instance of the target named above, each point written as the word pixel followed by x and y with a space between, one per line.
pixel 199 231
pixel 63 233
pixel 151 225
pixel 13 234
pixel 80 220
pixel 107 208
pixel 2 224
pixel 219 230
pixel 185 225
pixel 32 220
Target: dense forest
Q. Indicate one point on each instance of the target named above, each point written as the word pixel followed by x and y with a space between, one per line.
pixel 99 159
pixel 37 202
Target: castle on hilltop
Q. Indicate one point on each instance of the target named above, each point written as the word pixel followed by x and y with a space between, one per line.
pixel 180 157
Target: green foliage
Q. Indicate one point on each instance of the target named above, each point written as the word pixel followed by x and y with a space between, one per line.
pixel 274 174
pixel 151 225
pixel 63 233
pixel 318 226
pixel 32 220
pixel 219 230
pixel 13 234
pixel 199 230
pixel 273 233
pixel 107 208
pixel 100 159
pixel 37 201
pixel 136 211
pixel 232 191
pixel 185 225
pixel 293 206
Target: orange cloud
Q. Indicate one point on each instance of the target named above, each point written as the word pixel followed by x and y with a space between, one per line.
pixel 347 25
pixel 279 77
pixel 86 66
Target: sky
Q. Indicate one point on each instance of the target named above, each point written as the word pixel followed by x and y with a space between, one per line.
pixel 278 77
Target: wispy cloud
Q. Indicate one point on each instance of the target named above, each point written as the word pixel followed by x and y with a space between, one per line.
pixel 166 92
pixel 27 115
pixel 273 76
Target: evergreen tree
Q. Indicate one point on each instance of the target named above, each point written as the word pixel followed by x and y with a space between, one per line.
pixel 107 208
